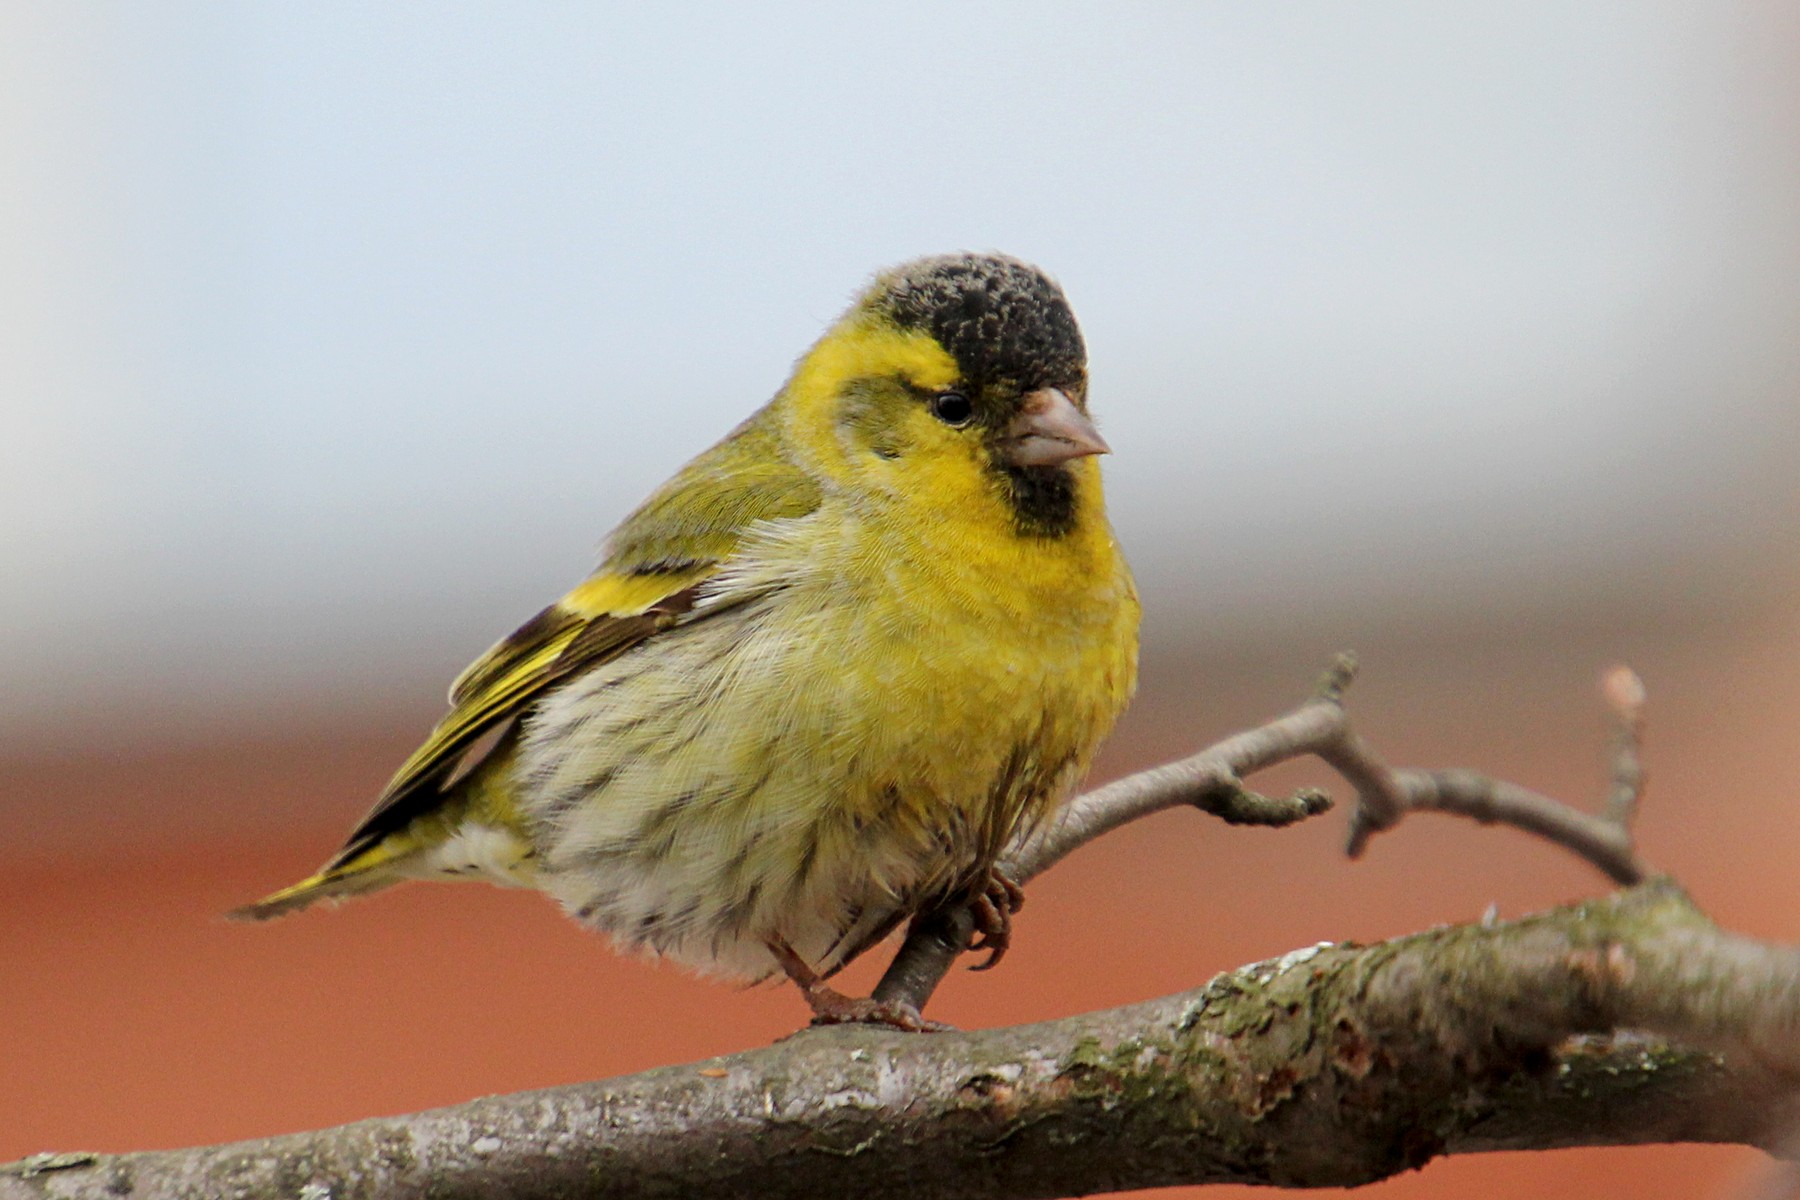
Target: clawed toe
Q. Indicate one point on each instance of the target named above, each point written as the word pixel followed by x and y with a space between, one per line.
pixel 993 909
pixel 834 1008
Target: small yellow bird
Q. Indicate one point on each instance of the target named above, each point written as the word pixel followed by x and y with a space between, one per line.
pixel 822 677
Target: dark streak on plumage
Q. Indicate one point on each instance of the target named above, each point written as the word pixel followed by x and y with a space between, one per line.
pixel 852 916
pixel 667 750
pixel 582 733
pixel 808 856
pixel 872 827
pixel 603 898
pixel 670 565
pixel 684 915
pixel 743 795
pixel 656 833
pixel 740 857
pixel 559 805
pixel 736 915
pixel 646 925
pixel 598 856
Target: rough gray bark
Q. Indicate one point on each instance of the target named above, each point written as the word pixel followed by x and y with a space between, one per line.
pixel 1334 1065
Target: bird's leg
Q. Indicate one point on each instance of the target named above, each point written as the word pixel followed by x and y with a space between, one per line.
pixel 832 1007
pixel 993 907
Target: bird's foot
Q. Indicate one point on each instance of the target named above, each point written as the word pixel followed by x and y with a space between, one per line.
pixel 832 1007
pixel 993 908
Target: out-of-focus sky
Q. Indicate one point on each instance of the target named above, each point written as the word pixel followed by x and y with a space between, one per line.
pixel 333 337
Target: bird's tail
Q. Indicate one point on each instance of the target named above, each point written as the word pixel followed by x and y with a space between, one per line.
pixel 343 877
pixel 471 831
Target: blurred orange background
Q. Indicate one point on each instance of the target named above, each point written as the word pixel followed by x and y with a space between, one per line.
pixel 335 336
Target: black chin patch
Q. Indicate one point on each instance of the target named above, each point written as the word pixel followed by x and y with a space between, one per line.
pixel 1042 499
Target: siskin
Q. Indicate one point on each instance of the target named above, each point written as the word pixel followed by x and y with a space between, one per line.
pixel 822 677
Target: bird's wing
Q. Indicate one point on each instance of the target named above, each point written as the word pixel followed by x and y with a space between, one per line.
pixel 655 562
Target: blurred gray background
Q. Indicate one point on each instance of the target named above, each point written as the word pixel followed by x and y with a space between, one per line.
pixel 336 336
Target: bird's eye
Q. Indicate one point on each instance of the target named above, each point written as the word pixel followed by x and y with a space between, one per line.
pixel 952 408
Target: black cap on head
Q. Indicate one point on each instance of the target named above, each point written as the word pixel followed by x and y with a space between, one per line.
pixel 998 317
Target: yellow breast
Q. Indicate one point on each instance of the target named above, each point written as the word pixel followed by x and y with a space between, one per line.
pixel 977 673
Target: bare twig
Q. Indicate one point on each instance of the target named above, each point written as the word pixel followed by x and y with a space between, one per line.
pixel 1330 1066
pixel 1606 845
pixel 1604 841
pixel 1212 781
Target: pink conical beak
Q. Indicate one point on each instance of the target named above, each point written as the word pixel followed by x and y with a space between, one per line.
pixel 1050 430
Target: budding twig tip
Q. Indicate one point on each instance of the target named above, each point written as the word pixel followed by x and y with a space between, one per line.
pixel 1625 693
pixel 1337 677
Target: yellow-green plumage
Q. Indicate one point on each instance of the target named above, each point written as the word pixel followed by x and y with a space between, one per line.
pixel 823 675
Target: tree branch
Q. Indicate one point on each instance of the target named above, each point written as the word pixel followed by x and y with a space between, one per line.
pixel 1335 1065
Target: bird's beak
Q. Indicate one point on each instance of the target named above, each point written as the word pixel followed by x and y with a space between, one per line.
pixel 1050 430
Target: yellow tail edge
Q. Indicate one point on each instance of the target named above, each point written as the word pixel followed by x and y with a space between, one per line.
pixel 336 881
